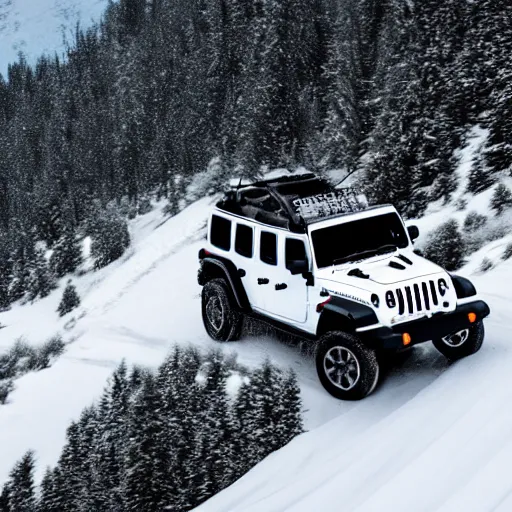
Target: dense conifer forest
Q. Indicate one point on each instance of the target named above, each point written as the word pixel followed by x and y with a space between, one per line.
pixel 164 440
pixel 159 90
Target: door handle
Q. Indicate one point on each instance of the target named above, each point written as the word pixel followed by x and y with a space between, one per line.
pixel 281 286
pixel 263 280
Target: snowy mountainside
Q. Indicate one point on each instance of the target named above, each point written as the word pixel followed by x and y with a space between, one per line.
pixel 34 27
pixel 136 309
pixel 433 436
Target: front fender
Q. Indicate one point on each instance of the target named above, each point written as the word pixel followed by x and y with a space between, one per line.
pixel 464 288
pixel 345 315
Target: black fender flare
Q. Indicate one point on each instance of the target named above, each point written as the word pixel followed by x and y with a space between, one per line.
pixel 215 266
pixel 341 314
pixel 463 287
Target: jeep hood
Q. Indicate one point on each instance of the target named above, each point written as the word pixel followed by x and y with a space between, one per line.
pixel 387 269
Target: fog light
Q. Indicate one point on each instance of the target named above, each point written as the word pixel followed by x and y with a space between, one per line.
pixel 472 318
pixel 406 338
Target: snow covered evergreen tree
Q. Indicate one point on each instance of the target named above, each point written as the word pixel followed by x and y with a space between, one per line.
pixel 147 481
pixel 18 495
pixel 501 199
pixel 110 239
pixel 70 300
pixel 41 281
pixel 291 420
pixel 67 254
pixel 445 246
pixel 50 499
pixel 480 177
pixel 474 221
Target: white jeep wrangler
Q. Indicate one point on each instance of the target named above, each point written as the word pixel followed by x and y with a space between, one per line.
pixel 317 262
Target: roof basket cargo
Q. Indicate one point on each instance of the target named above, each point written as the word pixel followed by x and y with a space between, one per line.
pixel 292 202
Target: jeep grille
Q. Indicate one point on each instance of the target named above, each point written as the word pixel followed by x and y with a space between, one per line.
pixel 417 298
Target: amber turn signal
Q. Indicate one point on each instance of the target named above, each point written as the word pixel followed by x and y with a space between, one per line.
pixel 472 317
pixel 406 338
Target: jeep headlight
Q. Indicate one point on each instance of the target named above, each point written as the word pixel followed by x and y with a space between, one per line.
pixel 443 287
pixel 375 300
pixel 390 300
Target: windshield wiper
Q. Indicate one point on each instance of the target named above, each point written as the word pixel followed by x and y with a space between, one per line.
pixel 356 256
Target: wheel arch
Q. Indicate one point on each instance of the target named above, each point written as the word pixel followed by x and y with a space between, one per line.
pixel 464 288
pixel 215 267
pixel 341 314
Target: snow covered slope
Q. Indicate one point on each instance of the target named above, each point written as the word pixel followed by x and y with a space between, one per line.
pixel 135 309
pixel 433 436
pixel 34 27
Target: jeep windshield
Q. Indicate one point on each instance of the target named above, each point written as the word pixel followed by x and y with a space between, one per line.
pixel 359 239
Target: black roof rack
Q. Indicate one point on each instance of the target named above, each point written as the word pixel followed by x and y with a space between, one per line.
pixel 291 202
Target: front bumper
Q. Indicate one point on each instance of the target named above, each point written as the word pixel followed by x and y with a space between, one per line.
pixel 426 329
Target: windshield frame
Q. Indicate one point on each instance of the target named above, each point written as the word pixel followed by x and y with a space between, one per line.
pixel 370 213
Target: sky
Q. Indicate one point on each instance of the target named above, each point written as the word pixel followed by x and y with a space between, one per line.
pixel 35 27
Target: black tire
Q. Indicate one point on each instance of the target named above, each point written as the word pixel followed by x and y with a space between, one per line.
pixel 351 360
pixel 457 346
pixel 220 318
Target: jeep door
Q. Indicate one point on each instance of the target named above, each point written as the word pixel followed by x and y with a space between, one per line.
pixel 285 295
pixel 243 255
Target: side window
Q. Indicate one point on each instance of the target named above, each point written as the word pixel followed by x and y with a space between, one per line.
pixel 244 240
pixel 295 250
pixel 268 248
pixel 220 234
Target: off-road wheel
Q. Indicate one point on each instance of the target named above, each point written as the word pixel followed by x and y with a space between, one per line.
pixel 462 343
pixel 347 368
pixel 221 319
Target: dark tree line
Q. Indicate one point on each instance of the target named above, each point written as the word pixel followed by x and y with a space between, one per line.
pixel 159 89
pixel 164 440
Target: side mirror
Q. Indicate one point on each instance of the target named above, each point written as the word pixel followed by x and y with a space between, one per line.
pixel 414 232
pixel 298 267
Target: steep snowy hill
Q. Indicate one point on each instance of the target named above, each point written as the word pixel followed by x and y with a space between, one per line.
pixel 434 435
pixel 34 27
pixel 136 309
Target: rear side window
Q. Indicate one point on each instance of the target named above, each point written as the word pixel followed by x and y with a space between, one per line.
pixel 220 234
pixel 244 240
pixel 268 248
pixel 295 251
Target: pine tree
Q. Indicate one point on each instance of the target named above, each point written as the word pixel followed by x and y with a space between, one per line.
pixel 474 221
pixel 67 254
pixel 501 199
pixel 445 246
pixel 20 276
pixel 71 483
pixel 290 424
pixel 212 458
pixel 20 486
pixel 110 239
pixel 41 281
pixel 182 405
pixel 245 448
pixel 480 178
pixel 50 500
pixel 147 481
pixel 267 391
pixel 70 300
pixel 5 276
pixel 107 461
